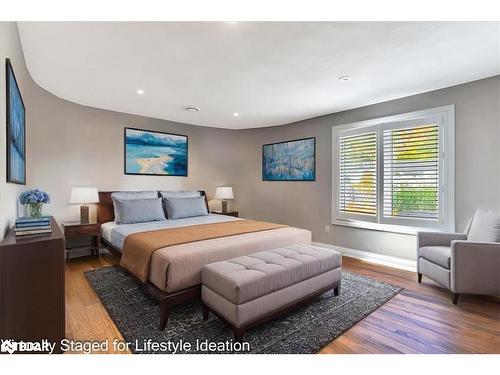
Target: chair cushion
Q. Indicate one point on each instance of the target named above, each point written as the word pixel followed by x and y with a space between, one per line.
pixel 485 226
pixel 440 255
pixel 245 278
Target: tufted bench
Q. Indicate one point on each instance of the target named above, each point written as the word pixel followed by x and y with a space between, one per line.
pixel 252 289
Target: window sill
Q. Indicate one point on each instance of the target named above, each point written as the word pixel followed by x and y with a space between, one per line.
pixel 383 227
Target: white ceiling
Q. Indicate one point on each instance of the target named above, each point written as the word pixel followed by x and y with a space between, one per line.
pixel 271 73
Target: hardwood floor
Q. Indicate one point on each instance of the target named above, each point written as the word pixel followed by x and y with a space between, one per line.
pixel 421 319
pixel 86 317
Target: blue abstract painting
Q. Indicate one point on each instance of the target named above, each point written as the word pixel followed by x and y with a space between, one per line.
pixel 155 153
pixel 289 161
pixel 16 148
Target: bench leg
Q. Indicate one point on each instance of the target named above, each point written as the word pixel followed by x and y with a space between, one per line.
pixel 336 291
pixel 419 278
pixel 454 298
pixel 164 314
pixel 206 311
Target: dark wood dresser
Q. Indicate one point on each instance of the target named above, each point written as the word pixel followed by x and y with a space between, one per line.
pixel 32 287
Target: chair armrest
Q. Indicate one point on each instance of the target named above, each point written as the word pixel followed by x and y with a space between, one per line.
pixel 475 267
pixel 438 238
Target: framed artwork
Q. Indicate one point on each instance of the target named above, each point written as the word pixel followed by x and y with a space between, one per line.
pixel 155 153
pixel 290 160
pixel 16 129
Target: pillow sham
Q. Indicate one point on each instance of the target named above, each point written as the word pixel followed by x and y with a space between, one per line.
pixel 127 195
pixel 180 194
pixel 179 208
pixel 132 211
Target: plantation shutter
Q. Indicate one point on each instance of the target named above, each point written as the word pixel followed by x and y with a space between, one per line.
pixel 358 174
pixel 411 172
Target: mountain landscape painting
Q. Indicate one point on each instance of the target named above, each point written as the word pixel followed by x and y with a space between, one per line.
pixel 289 161
pixel 155 153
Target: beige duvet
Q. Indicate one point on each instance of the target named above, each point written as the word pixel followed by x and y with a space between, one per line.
pixel 178 267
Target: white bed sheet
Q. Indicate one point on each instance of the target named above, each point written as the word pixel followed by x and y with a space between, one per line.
pixel 115 234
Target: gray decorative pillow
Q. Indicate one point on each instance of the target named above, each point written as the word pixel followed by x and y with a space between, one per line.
pixel 485 226
pixel 180 194
pixel 178 208
pixel 127 195
pixel 132 211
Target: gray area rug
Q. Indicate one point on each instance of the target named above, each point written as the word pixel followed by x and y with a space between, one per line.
pixel 306 330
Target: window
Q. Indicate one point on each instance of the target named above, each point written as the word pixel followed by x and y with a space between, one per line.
pixel 358 174
pixel 395 173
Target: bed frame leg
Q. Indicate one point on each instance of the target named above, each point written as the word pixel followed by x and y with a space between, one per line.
pixel 206 311
pixel 164 314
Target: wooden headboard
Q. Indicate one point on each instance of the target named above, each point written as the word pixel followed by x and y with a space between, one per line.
pixel 106 212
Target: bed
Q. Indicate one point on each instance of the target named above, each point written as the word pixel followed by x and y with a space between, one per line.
pixel 174 272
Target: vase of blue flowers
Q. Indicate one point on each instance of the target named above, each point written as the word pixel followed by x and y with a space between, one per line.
pixel 35 199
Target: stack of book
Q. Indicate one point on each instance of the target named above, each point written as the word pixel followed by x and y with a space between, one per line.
pixel 33 225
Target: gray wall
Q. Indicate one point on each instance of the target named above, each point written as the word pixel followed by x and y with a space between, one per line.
pixel 70 145
pixel 308 204
pixel 73 145
pixel 11 48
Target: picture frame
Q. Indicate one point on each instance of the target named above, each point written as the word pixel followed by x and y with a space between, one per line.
pixel 16 129
pixel 292 160
pixel 155 153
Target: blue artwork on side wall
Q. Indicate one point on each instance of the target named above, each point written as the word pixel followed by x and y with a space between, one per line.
pixel 155 153
pixel 16 130
pixel 289 161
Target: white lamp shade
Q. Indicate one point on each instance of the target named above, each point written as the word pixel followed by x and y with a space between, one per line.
pixel 224 192
pixel 84 195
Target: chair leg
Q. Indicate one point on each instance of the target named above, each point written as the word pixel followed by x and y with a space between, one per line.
pixel 419 277
pixel 454 298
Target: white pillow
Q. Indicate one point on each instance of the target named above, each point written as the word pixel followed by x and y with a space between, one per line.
pixel 180 194
pixel 485 226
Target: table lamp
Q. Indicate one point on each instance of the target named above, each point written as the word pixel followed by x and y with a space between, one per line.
pixel 224 193
pixel 83 196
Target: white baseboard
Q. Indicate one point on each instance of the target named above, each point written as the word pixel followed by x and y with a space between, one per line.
pixel 385 260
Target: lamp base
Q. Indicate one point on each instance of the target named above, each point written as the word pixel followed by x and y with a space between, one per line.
pixel 224 206
pixel 84 214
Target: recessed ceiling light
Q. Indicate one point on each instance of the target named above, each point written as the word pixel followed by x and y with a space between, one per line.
pixel 192 108
pixel 236 114
pixel 345 78
pixel 140 91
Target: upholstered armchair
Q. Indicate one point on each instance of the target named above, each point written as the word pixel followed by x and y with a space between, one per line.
pixel 463 262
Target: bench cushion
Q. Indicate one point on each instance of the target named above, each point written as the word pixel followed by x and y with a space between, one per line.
pixel 245 278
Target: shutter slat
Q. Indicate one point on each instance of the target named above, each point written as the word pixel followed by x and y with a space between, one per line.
pixel 358 174
pixel 411 172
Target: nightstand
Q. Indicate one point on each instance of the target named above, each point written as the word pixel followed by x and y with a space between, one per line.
pixel 228 213
pixel 76 229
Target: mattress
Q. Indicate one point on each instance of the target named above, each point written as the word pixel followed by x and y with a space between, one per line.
pixel 115 234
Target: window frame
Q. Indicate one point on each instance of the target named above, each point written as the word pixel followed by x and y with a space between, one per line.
pixel 445 118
